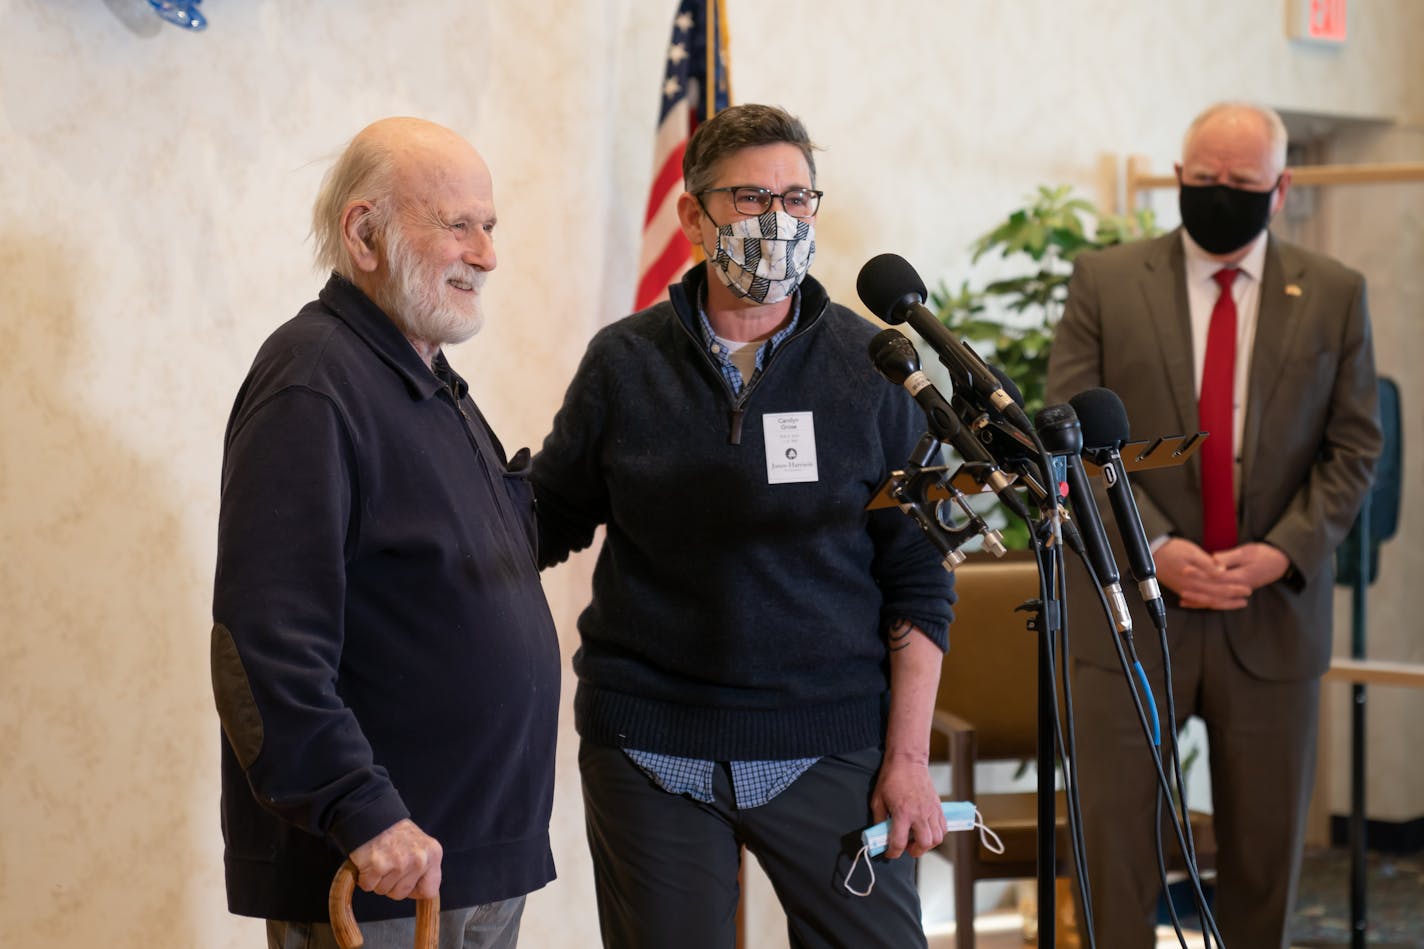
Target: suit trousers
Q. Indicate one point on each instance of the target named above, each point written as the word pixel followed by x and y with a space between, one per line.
pixel 665 865
pixel 1262 761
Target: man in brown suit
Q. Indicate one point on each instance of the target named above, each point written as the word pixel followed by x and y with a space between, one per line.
pixel 1273 356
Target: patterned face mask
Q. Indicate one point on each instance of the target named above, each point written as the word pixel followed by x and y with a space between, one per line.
pixel 764 258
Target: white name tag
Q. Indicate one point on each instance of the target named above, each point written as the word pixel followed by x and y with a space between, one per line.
pixel 790 448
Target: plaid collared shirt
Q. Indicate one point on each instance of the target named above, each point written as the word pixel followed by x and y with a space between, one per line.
pixel 753 782
pixel 723 359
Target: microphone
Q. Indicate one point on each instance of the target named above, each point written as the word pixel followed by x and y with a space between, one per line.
pixel 1015 451
pixel 895 358
pixel 1105 430
pixel 1005 442
pixel 893 291
pixel 1062 435
pixel 1008 385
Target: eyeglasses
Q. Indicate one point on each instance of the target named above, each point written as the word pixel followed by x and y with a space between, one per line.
pixel 746 199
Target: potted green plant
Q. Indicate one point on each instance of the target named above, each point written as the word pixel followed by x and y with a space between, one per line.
pixel 1010 321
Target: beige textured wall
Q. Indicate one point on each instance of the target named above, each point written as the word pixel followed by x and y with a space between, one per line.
pixel 154 191
pixel 1394 604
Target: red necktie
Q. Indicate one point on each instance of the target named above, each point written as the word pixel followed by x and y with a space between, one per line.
pixel 1214 406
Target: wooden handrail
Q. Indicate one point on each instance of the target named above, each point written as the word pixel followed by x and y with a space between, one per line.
pixel 1376 672
pixel 1305 175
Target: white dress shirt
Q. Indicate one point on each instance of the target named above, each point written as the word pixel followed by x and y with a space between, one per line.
pixel 1202 291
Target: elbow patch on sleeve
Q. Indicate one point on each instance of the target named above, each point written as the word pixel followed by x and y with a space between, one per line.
pixel 237 709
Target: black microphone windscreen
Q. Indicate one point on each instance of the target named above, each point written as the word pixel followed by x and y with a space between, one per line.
pixel 1008 385
pixel 1103 416
pixel 884 282
pixel 893 355
pixel 1059 430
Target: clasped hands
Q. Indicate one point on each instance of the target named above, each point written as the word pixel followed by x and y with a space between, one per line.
pixel 1223 580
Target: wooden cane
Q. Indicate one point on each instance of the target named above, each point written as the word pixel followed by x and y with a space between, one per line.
pixel 343 923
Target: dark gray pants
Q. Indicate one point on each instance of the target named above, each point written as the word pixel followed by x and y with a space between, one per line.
pixel 491 926
pixel 665 866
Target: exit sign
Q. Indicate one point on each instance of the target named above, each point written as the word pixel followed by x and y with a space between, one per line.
pixel 1319 21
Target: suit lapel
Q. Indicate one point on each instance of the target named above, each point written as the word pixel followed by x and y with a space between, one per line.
pixel 1277 322
pixel 1164 293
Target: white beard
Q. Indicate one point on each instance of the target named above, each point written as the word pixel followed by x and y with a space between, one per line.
pixel 423 304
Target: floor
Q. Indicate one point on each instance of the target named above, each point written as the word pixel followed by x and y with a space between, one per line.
pixel 1394 903
pixel 1004 930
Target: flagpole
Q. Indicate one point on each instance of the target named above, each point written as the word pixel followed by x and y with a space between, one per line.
pixel 714 41
pixel 722 46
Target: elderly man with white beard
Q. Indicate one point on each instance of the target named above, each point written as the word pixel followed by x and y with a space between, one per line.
pixel 384 663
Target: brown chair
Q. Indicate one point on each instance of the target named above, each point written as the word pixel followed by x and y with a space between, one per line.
pixel 987 710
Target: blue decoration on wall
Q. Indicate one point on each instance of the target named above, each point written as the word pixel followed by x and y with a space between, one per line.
pixel 183 13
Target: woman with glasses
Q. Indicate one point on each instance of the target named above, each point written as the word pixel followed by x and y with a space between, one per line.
pixel 759 660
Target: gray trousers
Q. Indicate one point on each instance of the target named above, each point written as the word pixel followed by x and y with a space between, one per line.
pixel 665 865
pixel 491 926
pixel 1262 738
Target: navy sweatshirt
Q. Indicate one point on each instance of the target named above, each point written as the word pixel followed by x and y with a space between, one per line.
pixel 733 619
pixel 382 647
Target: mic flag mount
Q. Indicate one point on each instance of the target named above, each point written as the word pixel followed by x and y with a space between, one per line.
pixel 919 492
pixel 1144 455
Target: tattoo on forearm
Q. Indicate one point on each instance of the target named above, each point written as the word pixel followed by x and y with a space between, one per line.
pixel 900 634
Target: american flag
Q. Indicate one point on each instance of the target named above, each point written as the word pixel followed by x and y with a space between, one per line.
pixel 696 86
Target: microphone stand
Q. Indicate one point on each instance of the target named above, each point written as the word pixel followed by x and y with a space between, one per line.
pixel 912 490
pixel 1045 620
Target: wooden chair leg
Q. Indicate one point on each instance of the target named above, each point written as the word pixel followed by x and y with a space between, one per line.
pixel 962 849
pixel 963 748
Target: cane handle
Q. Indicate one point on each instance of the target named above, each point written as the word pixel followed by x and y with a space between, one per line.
pixel 343 923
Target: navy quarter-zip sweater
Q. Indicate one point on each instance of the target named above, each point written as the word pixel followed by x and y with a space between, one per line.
pixel 382 648
pixel 733 619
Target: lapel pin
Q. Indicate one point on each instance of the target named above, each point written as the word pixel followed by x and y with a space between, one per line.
pixel 1293 290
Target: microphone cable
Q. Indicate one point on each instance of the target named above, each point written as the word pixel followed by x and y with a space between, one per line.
pixel 1184 819
pixel 1105 426
pixel 1163 785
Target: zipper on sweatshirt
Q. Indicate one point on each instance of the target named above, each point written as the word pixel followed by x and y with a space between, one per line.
pixel 734 437
pixel 739 402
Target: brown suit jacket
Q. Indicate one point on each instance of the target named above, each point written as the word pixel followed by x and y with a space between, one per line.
pixel 1309 443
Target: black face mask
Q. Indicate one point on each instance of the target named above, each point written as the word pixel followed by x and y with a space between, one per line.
pixel 1221 218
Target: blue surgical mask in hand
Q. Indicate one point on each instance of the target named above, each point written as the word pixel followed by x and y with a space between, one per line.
pixel 958 816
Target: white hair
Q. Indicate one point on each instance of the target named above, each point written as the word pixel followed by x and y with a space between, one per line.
pixel 1264 114
pixel 364 171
